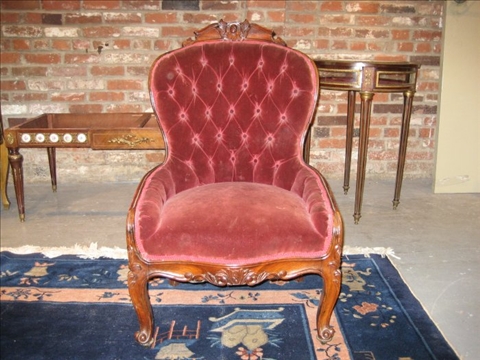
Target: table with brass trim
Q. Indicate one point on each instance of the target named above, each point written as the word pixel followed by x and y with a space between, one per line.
pixel 368 78
pixel 124 131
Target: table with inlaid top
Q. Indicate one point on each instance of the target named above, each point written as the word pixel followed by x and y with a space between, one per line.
pixel 125 131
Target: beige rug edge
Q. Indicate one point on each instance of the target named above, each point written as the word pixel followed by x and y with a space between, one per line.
pixel 93 251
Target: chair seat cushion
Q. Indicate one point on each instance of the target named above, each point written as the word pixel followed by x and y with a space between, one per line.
pixel 233 223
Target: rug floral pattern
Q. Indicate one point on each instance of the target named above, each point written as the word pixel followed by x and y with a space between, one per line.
pixel 274 321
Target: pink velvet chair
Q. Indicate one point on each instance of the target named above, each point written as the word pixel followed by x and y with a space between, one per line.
pixel 234 202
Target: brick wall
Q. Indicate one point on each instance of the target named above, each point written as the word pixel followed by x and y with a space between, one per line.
pixel 88 56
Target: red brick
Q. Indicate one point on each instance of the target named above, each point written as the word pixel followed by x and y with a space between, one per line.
pixel 162 45
pixel 124 85
pixel 43 58
pixel 266 4
pixel 142 4
pixel 22 31
pixel 358 46
pixel 61 4
pixel 142 71
pixel 161 18
pixel 20 5
pixel 6 85
pixel 9 58
pixel 101 4
pixel 33 18
pixel 106 96
pixel 102 31
pixel 309 6
pixel 29 71
pixel 275 16
pixel 20 44
pixel 42 44
pixel 122 18
pixel 85 108
pixel 81 58
pixel 68 97
pixel 331 6
pixel 107 70
pixel 428 86
pixel 362 6
pixel 339 45
pixel 389 132
pixel 368 33
pixel 68 71
pixel 405 46
pixel 178 31
pixel 372 20
pixel 120 44
pixel 79 18
pixel 9 18
pixel 337 19
pixel 321 44
pixel 427 35
pixel 341 32
pixel 331 143
pixel 423 47
pixel 220 5
pixel 400 34
pixel 62 45
pixel 301 18
pixel 29 96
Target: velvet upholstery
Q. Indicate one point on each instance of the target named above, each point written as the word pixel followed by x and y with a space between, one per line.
pixel 234 192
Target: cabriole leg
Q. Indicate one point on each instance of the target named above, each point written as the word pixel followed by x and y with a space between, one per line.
pixel 138 289
pixel 331 290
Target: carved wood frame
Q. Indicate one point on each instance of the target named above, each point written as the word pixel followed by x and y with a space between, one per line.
pixel 234 31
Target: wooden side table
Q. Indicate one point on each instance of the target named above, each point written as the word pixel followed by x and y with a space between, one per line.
pixel 124 131
pixel 368 78
pixel 4 167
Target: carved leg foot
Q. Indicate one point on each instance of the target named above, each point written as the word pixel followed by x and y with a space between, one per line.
pixel 331 290
pixel 137 287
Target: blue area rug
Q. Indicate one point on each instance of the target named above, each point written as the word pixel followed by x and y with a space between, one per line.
pixel 72 308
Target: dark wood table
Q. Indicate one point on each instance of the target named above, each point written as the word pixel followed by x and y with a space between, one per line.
pixel 125 131
pixel 368 78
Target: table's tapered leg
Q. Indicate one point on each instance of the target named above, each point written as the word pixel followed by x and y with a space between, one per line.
pixel 4 175
pixel 16 161
pixel 365 111
pixel 53 167
pixel 349 140
pixel 402 151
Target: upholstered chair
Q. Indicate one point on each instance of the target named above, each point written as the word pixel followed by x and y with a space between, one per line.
pixel 234 203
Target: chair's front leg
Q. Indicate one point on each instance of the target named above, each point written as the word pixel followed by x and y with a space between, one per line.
pixel 138 289
pixel 331 289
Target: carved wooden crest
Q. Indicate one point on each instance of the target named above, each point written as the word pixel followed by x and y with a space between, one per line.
pixel 234 31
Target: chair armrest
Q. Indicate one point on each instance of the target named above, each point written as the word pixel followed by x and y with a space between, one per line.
pixel 312 187
pixel 156 187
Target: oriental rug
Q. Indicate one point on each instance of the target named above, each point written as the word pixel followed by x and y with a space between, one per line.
pixel 72 308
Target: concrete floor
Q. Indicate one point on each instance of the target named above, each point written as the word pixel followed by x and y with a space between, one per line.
pixel 436 237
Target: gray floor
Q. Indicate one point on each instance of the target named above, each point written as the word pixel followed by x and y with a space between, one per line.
pixel 436 237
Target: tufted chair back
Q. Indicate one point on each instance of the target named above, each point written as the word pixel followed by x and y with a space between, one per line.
pixel 234 111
